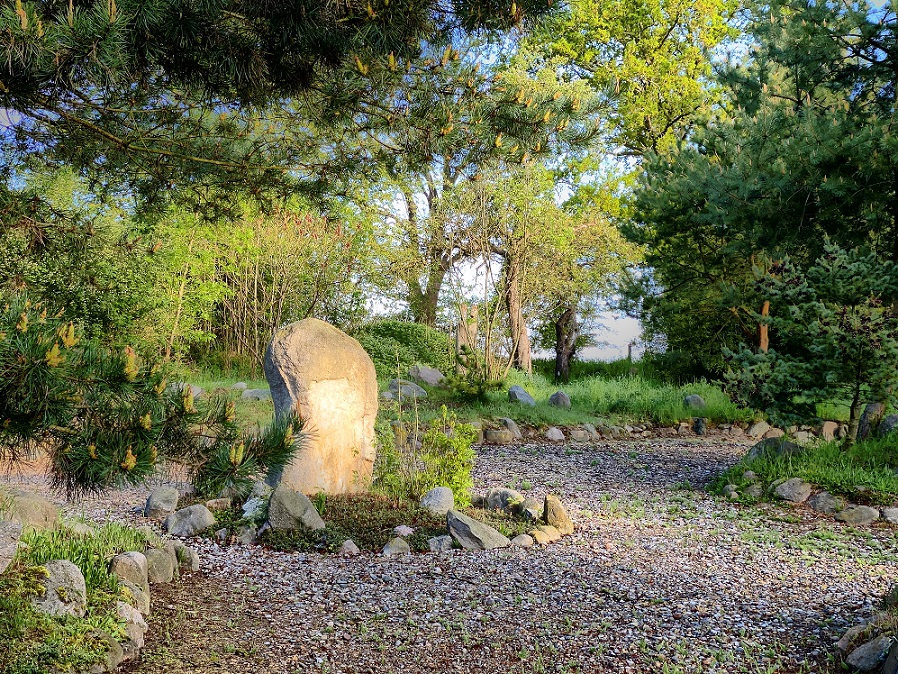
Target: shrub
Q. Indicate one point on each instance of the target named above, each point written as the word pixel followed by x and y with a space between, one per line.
pixel 391 342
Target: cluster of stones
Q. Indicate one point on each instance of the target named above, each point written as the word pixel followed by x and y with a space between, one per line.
pixel 796 490
pixel 64 590
pixel 871 647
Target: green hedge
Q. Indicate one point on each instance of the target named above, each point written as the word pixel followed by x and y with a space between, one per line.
pixel 410 343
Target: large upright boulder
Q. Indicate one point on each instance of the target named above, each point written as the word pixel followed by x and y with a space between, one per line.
pixel 326 377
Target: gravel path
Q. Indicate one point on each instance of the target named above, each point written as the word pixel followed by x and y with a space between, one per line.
pixel 660 577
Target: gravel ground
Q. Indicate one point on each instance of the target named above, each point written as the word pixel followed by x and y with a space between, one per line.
pixel 660 577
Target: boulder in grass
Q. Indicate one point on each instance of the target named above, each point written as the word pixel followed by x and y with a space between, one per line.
pixel 10 533
pixel 507 500
pixel 869 657
pixel 555 515
pixel 870 420
pixel 160 566
pixel 239 386
pixel 517 394
pixel 888 426
pixel 30 510
pixel 290 510
pixel 132 567
pixel 858 515
pixel 474 535
pixel 438 501
pixel 826 503
pixel 406 390
pixel 189 521
pixel 794 490
pixel 256 394
pixel 694 402
pixel 396 547
pixel 163 501
pixel 773 447
pixel 428 375
pixel 560 399
pixel 65 592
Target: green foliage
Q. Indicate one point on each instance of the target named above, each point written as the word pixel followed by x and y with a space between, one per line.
pixel 863 473
pixel 445 459
pixel 836 337
pixel 391 343
pixel 615 369
pixel 475 382
pixel 104 416
pixel 367 519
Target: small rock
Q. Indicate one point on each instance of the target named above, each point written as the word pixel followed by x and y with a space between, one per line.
pixel 135 629
pixel 132 567
pixel 397 546
pixel 498 436
pixel 290 510
pixel 246 534
pixel 218 504
pixel 254 508
pixel 162 502
pixel 507 500
pixel 578 435
pixel 187 557
pixel 802 437
pixel 517 394
pixel 556 516
pixel 403 530
pixel 754 491
pixel 593 432
pixel 532 509
pixel 115 654
pixel 858 515
pixel 694 402
pixel 794 490
pixel 513 427
pixel 440 544
pixel 890 515
pixel 522 541
pixel 560 399
pixel 10 533
pixel 438 501
pixel 548 530
pixel 730 489
pixel 349 548
pixel 540 537
pixel 758 429
pixel 221 535
pixel 774 433
pixel 65 592
pixel 828 430
pixel 139 597
pixel 773 447
pixel 239 386
pixel 160 568
pixel 554 434
pixel 428 375
pixel 825 503
pixel 189 521
pixel 403 389
pixel 257 394
pixel 750 476
pixel 871 655
pixel 474 535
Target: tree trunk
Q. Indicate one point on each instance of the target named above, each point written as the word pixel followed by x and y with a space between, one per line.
pixel 764 333
pixel 854 418
pixel 566 333
pixel 423 301
pixel 520 340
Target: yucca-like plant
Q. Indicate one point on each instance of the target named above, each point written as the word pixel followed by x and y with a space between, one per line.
pixel 104 416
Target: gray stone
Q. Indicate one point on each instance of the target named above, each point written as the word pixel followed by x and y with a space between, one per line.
pixel 30 510
pixel 438 501
pixel 221 535
pixel 65 592
pixel 474 535
pixel 730 489
pixel 216 504
pixel 10 533
pixel 794 490
pixel 239 386
pixel 257 394
pixel 397 546
pixel 403 530
pixel 826 503
pixel 512 427
pixel 160 568
pixel 403 389
pixel 890 515
pixel 699 426
pixel 560 399
pixel 132 567
pixel 773 447
pixel 887 426
pixel 246 534
pixel 502 498
pixel 327 379
pixel 387 395
pixel 440 544
pixel 555 515
pixel 517 394
pixel 115 654
pixel 802 437
pixel 578 435
pixel 870 656
pixel 694 402
pixel 754 491
pixel 858 515
pixel 522 541
pixel 135 629
pixel 593 432
pixel 428 375
pixel 532 509
pixel 891 664
pixel 290 510
pixel 750 476
pixel 554 434
pixel 349 548
pixel 189 521
pixel 188 558
pixel 870 419
pixel 139 597
pixel 757 429
pixel 254 508
pixel 498 436
pixel 80 529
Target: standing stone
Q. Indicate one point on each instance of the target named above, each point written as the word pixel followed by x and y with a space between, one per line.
pixel 554 434
pixel 290 510
pixel 555 515
pixel 870 656
pixel 428 375
pixel 189 521
pixel 694 402
pixel 65 592
pixel 474 535
pixel 870 419
pixel 135 629
pixel 517 394
pixel 438 501
pixel 162 502
pixel 132 567
pixel 512 427
pixel 328 380
pixel 560 399
pixel 160 568
pixel 887 426
pixel 10 532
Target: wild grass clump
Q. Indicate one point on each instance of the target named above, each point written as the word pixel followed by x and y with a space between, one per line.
pixel 863 473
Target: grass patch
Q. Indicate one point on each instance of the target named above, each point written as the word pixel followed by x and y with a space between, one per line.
pixel 865 473
pixel 34 643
